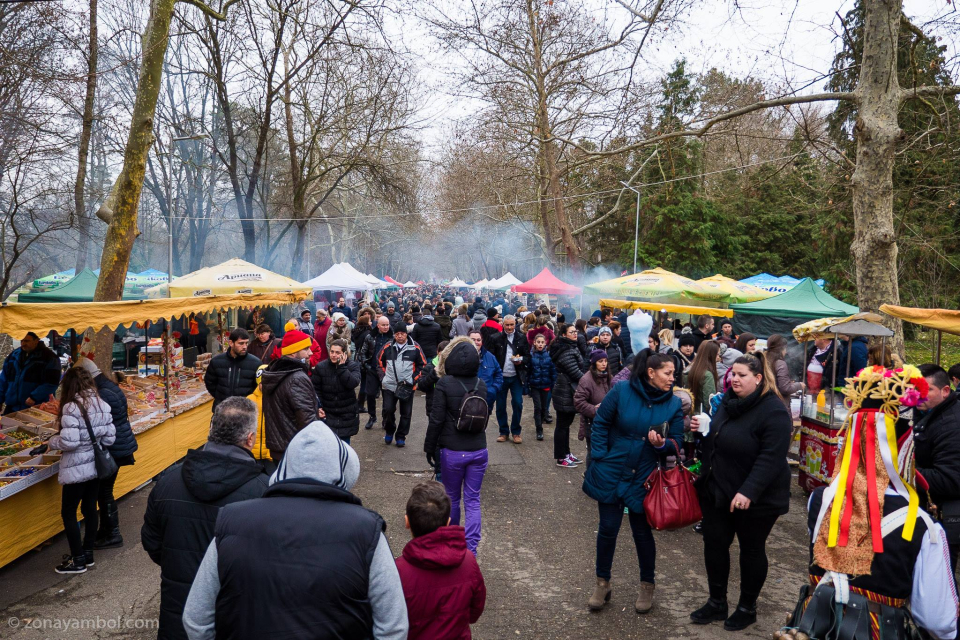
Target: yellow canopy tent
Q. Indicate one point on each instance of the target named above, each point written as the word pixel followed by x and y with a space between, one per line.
pixel 737 291
pixel 939 319
pixel 657 283
pixel 16 319
pixel 669 308
pixel 231 277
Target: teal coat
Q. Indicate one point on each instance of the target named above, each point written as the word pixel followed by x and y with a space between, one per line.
pixel 621 458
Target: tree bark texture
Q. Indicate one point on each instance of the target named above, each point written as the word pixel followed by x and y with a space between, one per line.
pixel 874 245
pixel 120 210
pixel 79 201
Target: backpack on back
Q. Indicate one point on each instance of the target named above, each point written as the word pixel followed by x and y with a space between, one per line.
pixel 474 411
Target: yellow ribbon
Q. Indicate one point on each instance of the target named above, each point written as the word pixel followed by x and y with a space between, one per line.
pixel 841 479
pixel 913 502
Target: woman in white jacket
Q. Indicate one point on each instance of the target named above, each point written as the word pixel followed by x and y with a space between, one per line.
pixel 79 406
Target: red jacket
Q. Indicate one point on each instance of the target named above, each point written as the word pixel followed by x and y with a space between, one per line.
pixel 320 330
pixel 442 585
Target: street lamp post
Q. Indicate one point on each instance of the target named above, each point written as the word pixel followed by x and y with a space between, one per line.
pixel 636 226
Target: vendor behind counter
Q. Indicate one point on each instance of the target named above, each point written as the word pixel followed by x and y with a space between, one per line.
pixel 30 375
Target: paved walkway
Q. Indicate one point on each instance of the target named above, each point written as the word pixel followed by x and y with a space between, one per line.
pixel 537 556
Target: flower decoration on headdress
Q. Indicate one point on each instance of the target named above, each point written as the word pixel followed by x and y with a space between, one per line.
pixel 895 388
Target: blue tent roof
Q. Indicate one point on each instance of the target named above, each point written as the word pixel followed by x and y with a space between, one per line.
pixel 778 284
pixel 153 272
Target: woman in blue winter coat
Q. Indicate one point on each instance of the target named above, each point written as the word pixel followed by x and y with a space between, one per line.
pixel 626 443
pixel 542 377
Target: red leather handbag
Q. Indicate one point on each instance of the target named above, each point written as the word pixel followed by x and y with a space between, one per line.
pixel 671 501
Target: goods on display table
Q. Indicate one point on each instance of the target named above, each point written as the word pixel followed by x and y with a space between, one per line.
pixel 823 412
pixel 22 432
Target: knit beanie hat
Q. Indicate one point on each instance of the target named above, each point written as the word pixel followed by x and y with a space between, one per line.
pixel 337 316
pixel 687 340
pixel 604 330
pixel 597 355
pixel 317 453
pixel 294 341
pixel 400 327
pixel 291 325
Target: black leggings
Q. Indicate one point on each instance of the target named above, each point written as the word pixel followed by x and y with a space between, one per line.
pixel 719 528
pixel 105 492
pixel 561 435
pixel 84 495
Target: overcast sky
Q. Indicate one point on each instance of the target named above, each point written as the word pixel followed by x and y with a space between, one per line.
pixel 777 41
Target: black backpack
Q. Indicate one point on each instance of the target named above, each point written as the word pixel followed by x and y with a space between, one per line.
pixel 474 411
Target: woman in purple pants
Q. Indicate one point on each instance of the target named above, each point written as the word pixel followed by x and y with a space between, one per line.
pixel 463 455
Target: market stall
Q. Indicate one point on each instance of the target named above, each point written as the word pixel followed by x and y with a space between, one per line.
pixel 694 310
pixel 661 286
pixel 736 291
pixel 168 414
pixel 822 411
pixel 80 288
pixel 234 276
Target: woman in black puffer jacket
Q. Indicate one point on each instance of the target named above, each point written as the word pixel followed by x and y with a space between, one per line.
pixel 462 455
pixel 336 380
pixel 122 450
pixel 571 365
pixel 744 486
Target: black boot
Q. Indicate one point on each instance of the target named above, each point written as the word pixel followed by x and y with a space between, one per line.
pixel 371 422
pixel 112 539
pixel 713 611
pixel 741 618
pixel 72 564
pixel 88 557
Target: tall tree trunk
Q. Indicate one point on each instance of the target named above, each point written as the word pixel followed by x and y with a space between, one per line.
pixel 79 201
pixel 874 245
pixel 119 210
pixel 296 177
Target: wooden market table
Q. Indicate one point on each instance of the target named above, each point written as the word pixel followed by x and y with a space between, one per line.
pixel 32 516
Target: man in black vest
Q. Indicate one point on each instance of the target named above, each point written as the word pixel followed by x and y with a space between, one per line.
pixel 305 561
pixel 936 440
pixel 184 504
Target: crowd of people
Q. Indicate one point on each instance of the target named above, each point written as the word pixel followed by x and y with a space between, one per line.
pixel 278 470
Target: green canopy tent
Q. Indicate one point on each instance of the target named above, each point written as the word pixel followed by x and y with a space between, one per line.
pixel 781 313
pixel 78 289
pixel 806 300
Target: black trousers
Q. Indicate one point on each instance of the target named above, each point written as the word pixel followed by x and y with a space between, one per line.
pixel 541 399
pixel 561 435
pixel 390 402
pixel 105 493
pixel 84 495
pixel 751 530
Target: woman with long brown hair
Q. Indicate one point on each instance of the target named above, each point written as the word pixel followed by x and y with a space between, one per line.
pixel 776 357
pixel 744 486
pixel 701 380
pixel 81 411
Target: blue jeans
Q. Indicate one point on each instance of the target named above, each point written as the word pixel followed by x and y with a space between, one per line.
pixel 611 516
pixel 514 387
pixel 464 471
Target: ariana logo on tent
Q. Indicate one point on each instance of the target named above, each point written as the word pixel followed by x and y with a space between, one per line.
pixel 239 276
pixel 244 290
pixel 203 292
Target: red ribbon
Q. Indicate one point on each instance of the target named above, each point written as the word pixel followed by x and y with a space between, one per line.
pixel 848 494
pixel 872 500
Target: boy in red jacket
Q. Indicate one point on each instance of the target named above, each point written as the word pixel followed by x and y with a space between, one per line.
pixel 441 581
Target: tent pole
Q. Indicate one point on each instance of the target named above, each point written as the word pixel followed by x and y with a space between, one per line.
pixel 937 345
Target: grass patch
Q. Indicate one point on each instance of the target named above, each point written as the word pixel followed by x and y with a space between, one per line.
pixel 920 349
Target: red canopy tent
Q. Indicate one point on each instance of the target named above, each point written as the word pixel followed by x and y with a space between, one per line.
pixel 546 282
pixel 392 281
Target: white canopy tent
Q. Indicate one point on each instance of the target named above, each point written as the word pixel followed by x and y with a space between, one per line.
pixel 482 284
pixel 458 283
pixel 409 284
pixel 375 282
pixel 505 281
pixel 339 278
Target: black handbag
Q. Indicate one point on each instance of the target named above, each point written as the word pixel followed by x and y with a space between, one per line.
pixel 404 389
pixel 102 458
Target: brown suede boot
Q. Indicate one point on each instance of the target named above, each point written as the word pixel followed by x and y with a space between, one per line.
pixel 645 599
pixel 601 595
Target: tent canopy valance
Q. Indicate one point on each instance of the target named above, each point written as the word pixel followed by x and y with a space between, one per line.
pixel 232 277
pixel 860 324
pixel 669 308
pixel 16 318
pixel 546 282
pixel 806 300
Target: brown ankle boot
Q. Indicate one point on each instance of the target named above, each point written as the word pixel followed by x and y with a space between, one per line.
pixel 645 599
pixel 601 595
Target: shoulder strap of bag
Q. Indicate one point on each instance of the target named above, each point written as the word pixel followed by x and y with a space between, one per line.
pixel 86 421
